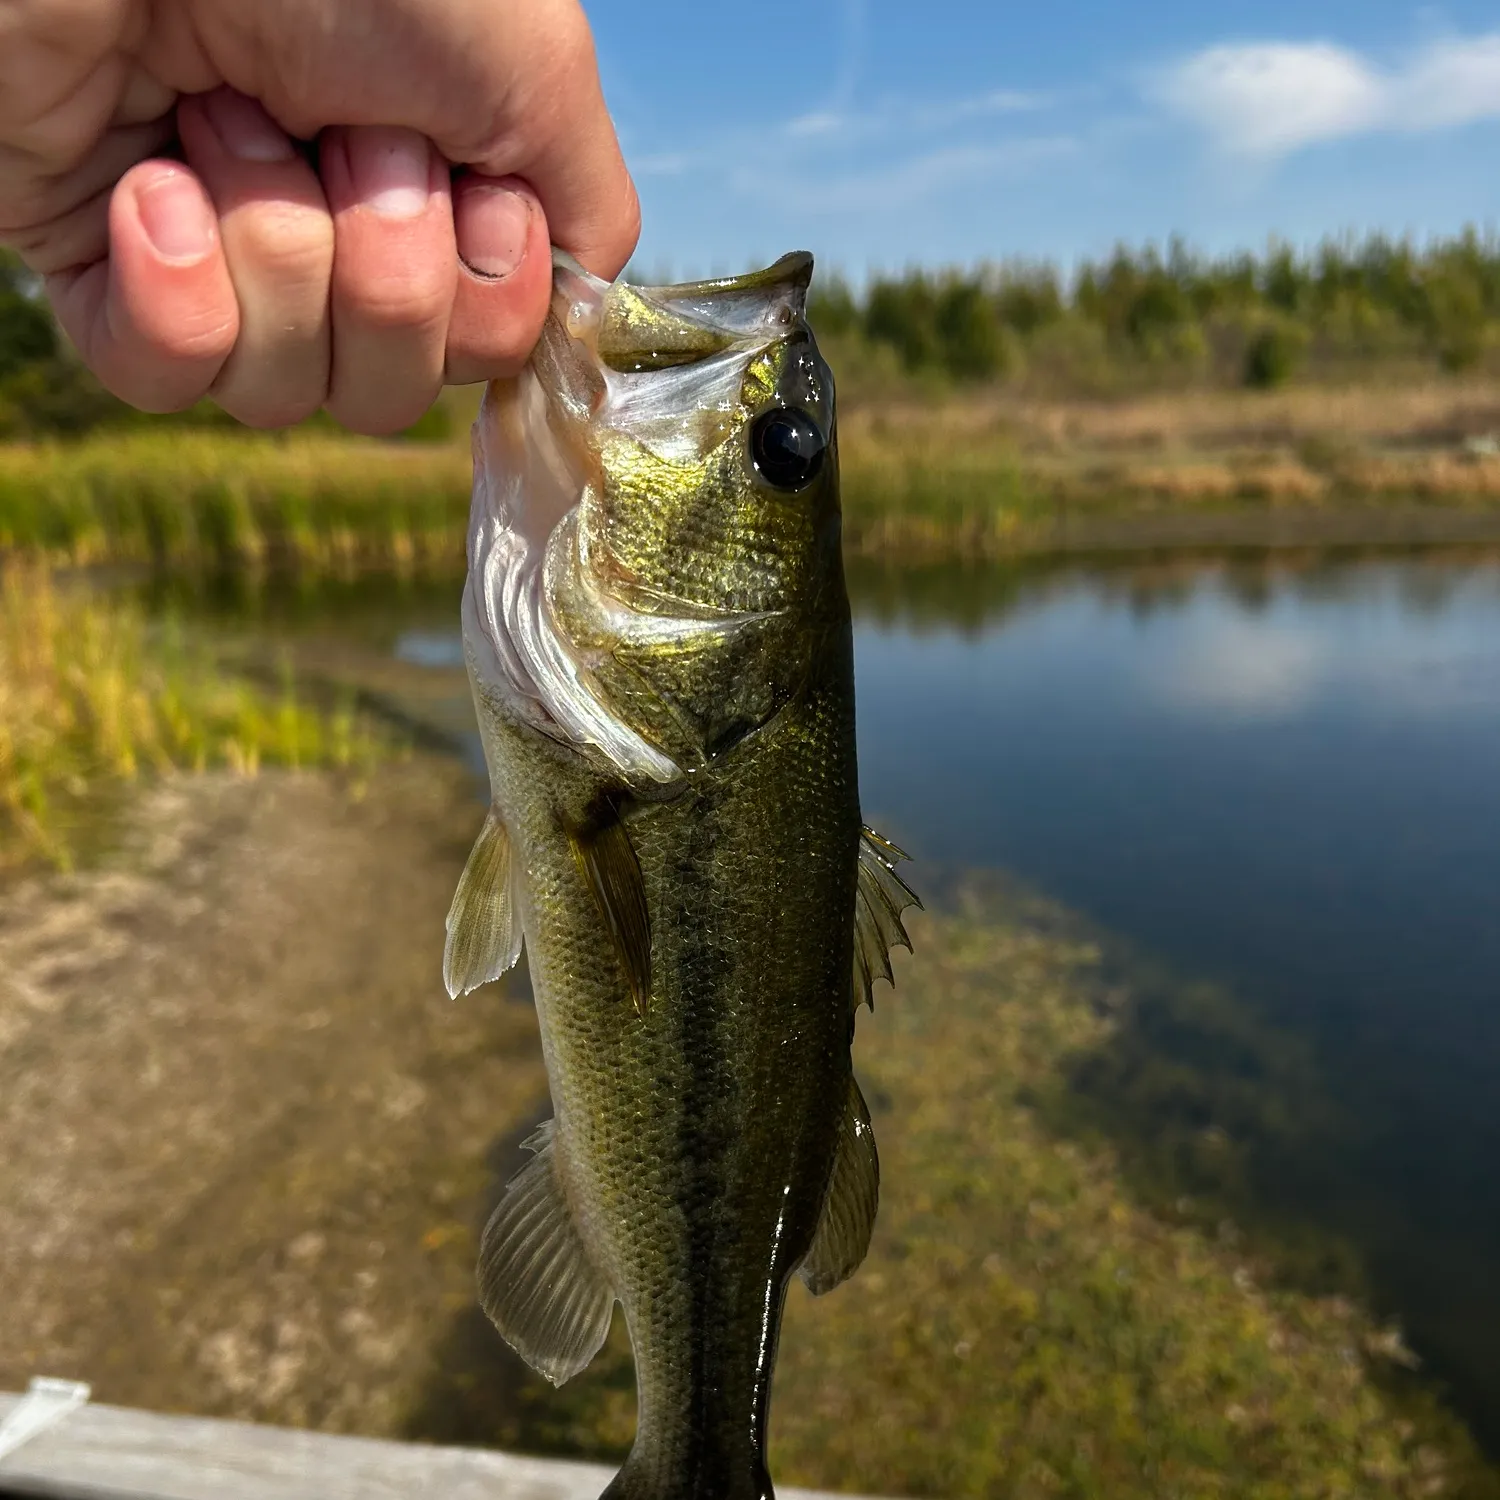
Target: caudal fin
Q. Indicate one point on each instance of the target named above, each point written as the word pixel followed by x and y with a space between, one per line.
pixel 650 1475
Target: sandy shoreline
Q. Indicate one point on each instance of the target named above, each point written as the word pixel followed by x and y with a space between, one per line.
pixel 243 1130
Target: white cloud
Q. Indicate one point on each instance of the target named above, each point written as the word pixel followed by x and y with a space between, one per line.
pixel 904 182
pixel 1452 83
pixel 1267 99
pixel 1246 670
pixel 903 117
pixel 996 102
pixel 820 122
pixel 662 164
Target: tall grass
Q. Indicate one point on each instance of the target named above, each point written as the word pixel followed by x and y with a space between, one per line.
pixel 90 697
pixel 985 472
pixel 228 499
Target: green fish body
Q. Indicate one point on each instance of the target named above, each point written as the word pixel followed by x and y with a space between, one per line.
pixel 659 644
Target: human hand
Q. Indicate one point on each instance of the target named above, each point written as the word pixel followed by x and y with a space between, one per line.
pixel 242 271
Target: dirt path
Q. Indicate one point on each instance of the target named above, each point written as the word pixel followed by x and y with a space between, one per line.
pixel 243 1130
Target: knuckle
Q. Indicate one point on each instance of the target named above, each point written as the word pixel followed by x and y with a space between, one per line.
pixel 572 40
pixel 152 393
pixel 389 303
pixel 196 337
pixel 266 410
pixel 370 420
pixel 628 224
pixel 287 244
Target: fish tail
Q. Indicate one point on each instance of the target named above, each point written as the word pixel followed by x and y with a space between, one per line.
pixel 646 1477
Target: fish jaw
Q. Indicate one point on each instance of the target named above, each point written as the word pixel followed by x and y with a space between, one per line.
pixel 527 481
pixel 596 616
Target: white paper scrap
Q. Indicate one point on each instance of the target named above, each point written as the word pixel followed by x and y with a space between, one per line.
pixel 46 1403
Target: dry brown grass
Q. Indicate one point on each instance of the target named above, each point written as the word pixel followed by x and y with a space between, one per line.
pixel 1437 413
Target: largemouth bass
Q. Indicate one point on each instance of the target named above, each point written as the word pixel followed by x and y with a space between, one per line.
pixel 658 639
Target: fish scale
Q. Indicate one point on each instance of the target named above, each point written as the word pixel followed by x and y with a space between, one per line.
pixel 659 642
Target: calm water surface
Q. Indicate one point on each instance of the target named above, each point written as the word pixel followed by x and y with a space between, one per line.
pixel 1279 776
pixel 1284 778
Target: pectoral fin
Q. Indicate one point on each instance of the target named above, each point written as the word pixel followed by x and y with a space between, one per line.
pixel 484 927
pixel 880 897
pixel 536 1281
pixel 609 864
pixel 843 1234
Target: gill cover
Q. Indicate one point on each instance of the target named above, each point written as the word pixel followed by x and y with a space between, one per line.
pixel 665 367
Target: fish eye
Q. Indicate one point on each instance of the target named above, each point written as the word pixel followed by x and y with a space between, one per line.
pixel 787 447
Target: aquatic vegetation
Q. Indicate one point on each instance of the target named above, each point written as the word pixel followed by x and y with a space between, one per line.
pixel 955 475
pixel 1025 1325
pixel 231 499
pixel 90 697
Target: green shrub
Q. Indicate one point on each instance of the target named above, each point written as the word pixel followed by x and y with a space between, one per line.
pixel 1273 355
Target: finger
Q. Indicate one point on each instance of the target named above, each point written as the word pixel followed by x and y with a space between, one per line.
pixel 33 202
pixel 504 280
pixel 395 267
pixel 505 89
pixel 75 239
pixel 156 320
pixel 574 159
pixel 278 243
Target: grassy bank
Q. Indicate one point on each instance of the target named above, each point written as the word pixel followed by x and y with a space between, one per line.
pixel 1024 1326
pixel 935 474
pixel 999 473
pixel 235 499
pixel 90 698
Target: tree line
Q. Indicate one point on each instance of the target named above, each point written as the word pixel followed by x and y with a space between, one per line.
pixel 1349 309
pixel 1183 317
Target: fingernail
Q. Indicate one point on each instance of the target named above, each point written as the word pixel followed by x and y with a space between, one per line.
pixel 492 223
pixel 246 130
pixel 177 217
pixel 391 170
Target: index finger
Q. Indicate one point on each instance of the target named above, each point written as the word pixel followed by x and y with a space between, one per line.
pixel 574 162
pixel 509 90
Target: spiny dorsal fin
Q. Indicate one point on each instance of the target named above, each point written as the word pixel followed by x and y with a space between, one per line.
pixel 880 898
pixel 484 927
pixel 843 1234
pixel 607 859
pixel 536 1281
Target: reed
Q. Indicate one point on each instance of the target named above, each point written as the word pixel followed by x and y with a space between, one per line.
pixel 91 698
pixel 178 498
pixel 985 474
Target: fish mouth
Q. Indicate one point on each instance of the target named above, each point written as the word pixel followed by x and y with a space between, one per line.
pixel 664 365
pixel 638 329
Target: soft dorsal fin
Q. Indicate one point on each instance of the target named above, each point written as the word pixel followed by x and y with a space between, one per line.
pixel 880 898
pixel 609 864
pixel 843 1234
pixel 536 1281
pixel 484 927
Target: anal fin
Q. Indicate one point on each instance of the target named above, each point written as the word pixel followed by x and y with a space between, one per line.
pixel 609 864
pixel 881 895
pixel 848 1220
pixel 484 927
pixel 536 1281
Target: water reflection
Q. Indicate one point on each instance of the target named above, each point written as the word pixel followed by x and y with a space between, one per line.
pixel 1281 778
pixel 1275 775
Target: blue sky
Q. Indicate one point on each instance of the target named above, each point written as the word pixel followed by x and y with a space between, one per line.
pixel 878 133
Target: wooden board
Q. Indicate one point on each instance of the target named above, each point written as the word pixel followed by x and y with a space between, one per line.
pixel 112 1453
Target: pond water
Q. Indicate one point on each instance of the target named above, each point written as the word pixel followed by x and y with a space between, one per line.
pixel 1276 775
pixel 1285 778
